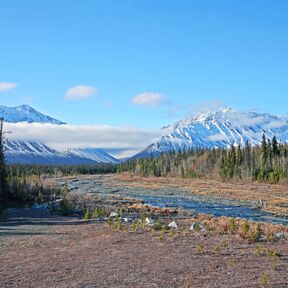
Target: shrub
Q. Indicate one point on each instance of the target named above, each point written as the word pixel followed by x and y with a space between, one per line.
pixel 270 237
pixel 119 224
pixel 143 215
pixel 233 225
pixel 66 206
pixel 232 263
pixel 177 232
pixel 224 244
pixel 135 226
pixel 259 231
pixel 98 212
pixel 184 232
pixel 273 253
pixel 216 249
pixel 256 235
pixel 158 225
pixel 200 249
pixel 171 233
pixel 245 230
pixel 162 233
pixel 264 281
pixel 87 214
pixel 121 213
pixel 109 221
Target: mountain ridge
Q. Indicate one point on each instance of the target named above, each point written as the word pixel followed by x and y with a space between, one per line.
pixel 33 152
pixel 25 113
pixel 218 129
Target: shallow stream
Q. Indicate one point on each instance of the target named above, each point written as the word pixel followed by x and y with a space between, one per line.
pixel 180 199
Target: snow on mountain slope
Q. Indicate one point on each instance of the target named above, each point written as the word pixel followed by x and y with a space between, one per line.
pixel 28 152
pixel 92 154
pixel 25 113
pixel 219 129
pixel 32 152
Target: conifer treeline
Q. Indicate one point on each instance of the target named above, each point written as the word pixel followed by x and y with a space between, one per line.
pixel 22 170
pixel 3 180
pixel 25 182
pixel 267 162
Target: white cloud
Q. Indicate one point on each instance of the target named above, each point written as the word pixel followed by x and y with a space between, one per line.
pixel 148 99
pixel 276 124
pixel 80 92
pixel 242 118
pixel 124 141
pixel 7 86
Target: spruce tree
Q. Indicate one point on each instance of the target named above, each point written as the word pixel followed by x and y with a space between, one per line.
pixel 263 150
pixel 275 148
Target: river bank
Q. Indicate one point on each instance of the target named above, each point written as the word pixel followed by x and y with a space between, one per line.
pixel 256 202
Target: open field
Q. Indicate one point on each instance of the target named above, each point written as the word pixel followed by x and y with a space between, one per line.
pixel 63 252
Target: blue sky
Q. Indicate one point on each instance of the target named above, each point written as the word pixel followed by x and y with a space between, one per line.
pixel 143 63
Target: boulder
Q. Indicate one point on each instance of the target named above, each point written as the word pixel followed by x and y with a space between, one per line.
pixel 148 221
pixel 113 214
pixel 196 226
pixel 173 225
pixel 280 235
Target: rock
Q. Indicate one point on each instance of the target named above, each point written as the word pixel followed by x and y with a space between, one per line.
pixel 173 225
pixel 148 221
pixel 113 214
pixel 280 235
pixel 196 226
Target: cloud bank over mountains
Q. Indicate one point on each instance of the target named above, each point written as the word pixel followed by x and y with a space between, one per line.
pixel 121 142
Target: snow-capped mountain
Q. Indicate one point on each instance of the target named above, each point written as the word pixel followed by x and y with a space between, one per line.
pixel 92 154
pixel 219 129
pixel 28 152
pixel 25 113
pixel 39 153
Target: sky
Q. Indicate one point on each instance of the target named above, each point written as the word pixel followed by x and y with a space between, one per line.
pixel 145 64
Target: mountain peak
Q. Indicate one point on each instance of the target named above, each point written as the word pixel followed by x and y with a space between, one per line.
pixel 24 107
pixel 93 154
pixel 25 113
pixel 220 112
pixel 219 129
